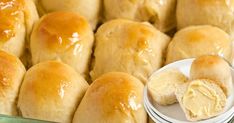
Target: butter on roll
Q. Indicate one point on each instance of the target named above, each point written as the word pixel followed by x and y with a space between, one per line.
pixel 201 99
pixel 162 86
pixel 214 68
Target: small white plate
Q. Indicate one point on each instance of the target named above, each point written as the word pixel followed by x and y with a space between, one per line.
pixel 155 118
pixel 173 113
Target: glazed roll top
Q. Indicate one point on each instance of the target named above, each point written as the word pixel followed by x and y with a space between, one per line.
pixel 213 12
pixel 114 97
pixel 11 75
pixel 51 91
pixel 17 19
pixel 90 9
pixel 127 46
pixel 196 41
pixel 214 68
pixel 161 13
pixel 63 36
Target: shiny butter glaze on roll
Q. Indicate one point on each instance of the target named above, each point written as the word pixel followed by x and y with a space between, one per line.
pixel 195 41
pixel 63 36
pixel 51 91
pixel 161 13
pixel 211 12
pixel 11 75
pixel 127 46
pixel 17 19
pixel 90 9
pixel 112 98
pixel 11 18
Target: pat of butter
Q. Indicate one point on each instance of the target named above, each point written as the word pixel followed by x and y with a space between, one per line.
pixel 202 100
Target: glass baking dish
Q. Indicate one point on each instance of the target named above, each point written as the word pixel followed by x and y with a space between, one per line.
pixel 13 119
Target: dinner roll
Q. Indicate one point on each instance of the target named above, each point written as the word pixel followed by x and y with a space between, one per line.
pixel 201 99
pixel 214 68
pixel 195 41
pixel 213 12
pixel 162 86
pixel 112 98
pixel 90 9
pixel 161 13
pixel 11 75
pixel 51 91
pixel 63 36
pixel 16 20
pixel 127 46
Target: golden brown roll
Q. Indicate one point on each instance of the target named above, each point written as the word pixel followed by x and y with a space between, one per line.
pixel 213 12
pixel 63 36
pixel 161 13
pixel 195 41
pixel 201 99
pixel 90 9
pixel 127 46
pixel 17 19
pixel 112 98
pixel 214 68
pixel 51 91
pixel 11 75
